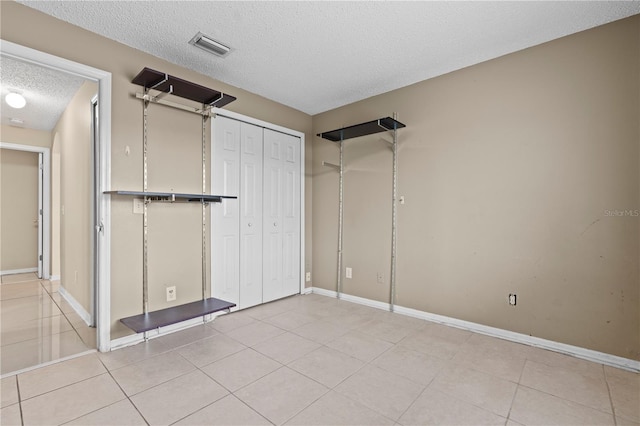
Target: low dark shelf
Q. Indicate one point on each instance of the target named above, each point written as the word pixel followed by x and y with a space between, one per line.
pixel 153 320
pixel 153 79
pixel 368 128
pixel 170 196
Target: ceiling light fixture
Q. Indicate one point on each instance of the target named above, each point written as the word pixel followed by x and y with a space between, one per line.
pixel 15 100
pixel 210 45
pixel 16 122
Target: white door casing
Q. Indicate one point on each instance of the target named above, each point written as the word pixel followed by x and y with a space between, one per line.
pixel 261 245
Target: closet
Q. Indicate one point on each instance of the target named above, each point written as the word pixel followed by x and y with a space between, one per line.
pixel 256 238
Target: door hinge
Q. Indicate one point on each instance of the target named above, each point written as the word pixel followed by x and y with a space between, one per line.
pixel 40 257
pixel 100 227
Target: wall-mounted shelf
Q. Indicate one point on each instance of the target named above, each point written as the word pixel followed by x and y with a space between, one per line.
pixel 153 320
pixel 156 80
pixel 173 197
pixel 364 129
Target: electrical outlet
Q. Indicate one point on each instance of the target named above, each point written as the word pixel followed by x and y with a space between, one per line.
pixel 308 276
pixel 138 206
pixel 171 293
pixel 512 299
pixel 380 278
pixel 349 273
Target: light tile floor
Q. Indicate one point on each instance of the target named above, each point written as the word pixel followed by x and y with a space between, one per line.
pixel 37 325
pixel 313 360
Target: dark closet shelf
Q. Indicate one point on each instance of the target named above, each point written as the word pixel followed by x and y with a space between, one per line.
pixel 152 79
pixel 170 196
pixel 368 128
pixel 152 320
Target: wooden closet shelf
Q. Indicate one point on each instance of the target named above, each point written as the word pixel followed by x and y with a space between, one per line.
pixel 156 80
pixel 153 320
pixel 368 128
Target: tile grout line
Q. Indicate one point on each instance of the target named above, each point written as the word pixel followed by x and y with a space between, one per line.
pixel 123 392
pixel 517 387
pixel 19 400
pixel 613 409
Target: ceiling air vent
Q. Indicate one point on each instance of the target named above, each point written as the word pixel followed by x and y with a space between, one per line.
pixel 210 45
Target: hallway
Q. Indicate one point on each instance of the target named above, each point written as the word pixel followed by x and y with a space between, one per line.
pixel 37 324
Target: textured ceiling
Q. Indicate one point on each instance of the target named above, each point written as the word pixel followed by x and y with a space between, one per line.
pixel 48 92
pixel 316 56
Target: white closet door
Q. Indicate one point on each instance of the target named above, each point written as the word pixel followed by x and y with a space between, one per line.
pixel 281 213
pixel 225 264
pixel 250 216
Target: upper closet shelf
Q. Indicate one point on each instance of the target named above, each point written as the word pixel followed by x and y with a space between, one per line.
pixel 170 196
pixel 152 79
pixel 368 128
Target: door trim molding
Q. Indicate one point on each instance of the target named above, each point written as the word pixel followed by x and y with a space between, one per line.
pixel 103 78
pixel 46 199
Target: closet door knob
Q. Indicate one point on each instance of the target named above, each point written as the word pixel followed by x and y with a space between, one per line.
pixel 275 223
pixel 249 224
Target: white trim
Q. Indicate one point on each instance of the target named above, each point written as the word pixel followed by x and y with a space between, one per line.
pixel 46 199
pixel 287 131
pixel 25 54
pixel 18 271
pixel 80 310
pixel 575 351
pixel 307 290
pixel 134 339
pixel 54 278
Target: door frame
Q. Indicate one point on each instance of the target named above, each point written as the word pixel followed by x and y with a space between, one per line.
pixel 44 199
pixel 103 78
pixel 266 125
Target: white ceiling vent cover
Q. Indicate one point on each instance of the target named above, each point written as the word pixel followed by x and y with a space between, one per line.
pixel 205 42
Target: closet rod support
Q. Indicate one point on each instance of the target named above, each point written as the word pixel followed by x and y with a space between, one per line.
pixel 154 100
pixel 335 166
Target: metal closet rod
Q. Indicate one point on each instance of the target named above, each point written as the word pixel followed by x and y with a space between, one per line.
pixel 358 130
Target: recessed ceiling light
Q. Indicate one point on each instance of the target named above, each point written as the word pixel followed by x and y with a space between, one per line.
pixel 15 100
pixel 210 45
pixel 16 121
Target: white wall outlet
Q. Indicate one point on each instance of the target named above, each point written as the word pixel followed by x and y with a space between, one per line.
pixel 171 293
pixel 349 273
pixel 138 206
pixel 307 277
pixel 512 299
pixel 380 278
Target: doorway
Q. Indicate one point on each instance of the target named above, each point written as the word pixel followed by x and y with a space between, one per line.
pixel 99 220
pixel 25 201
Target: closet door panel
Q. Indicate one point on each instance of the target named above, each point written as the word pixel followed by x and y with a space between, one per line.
pixel 291 214
pixel 272 218
pixel 281 224
pixel 250 215
pixel 225 264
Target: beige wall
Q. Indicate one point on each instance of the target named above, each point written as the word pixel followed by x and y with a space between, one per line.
pixel 22 136
pixel 58 38
pixel 508 168
pixel 18 210
pixel 73 134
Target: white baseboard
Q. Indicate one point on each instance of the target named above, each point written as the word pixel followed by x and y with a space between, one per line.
pixel 134 339
pixel 575 351
pixel 54 278
pixel 82 313
pixel 18 271
pixel 307 290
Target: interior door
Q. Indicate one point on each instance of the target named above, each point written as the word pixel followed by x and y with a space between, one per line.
pixel 225 263
pixel 250 216
pixel 281 214
pixel 39 212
